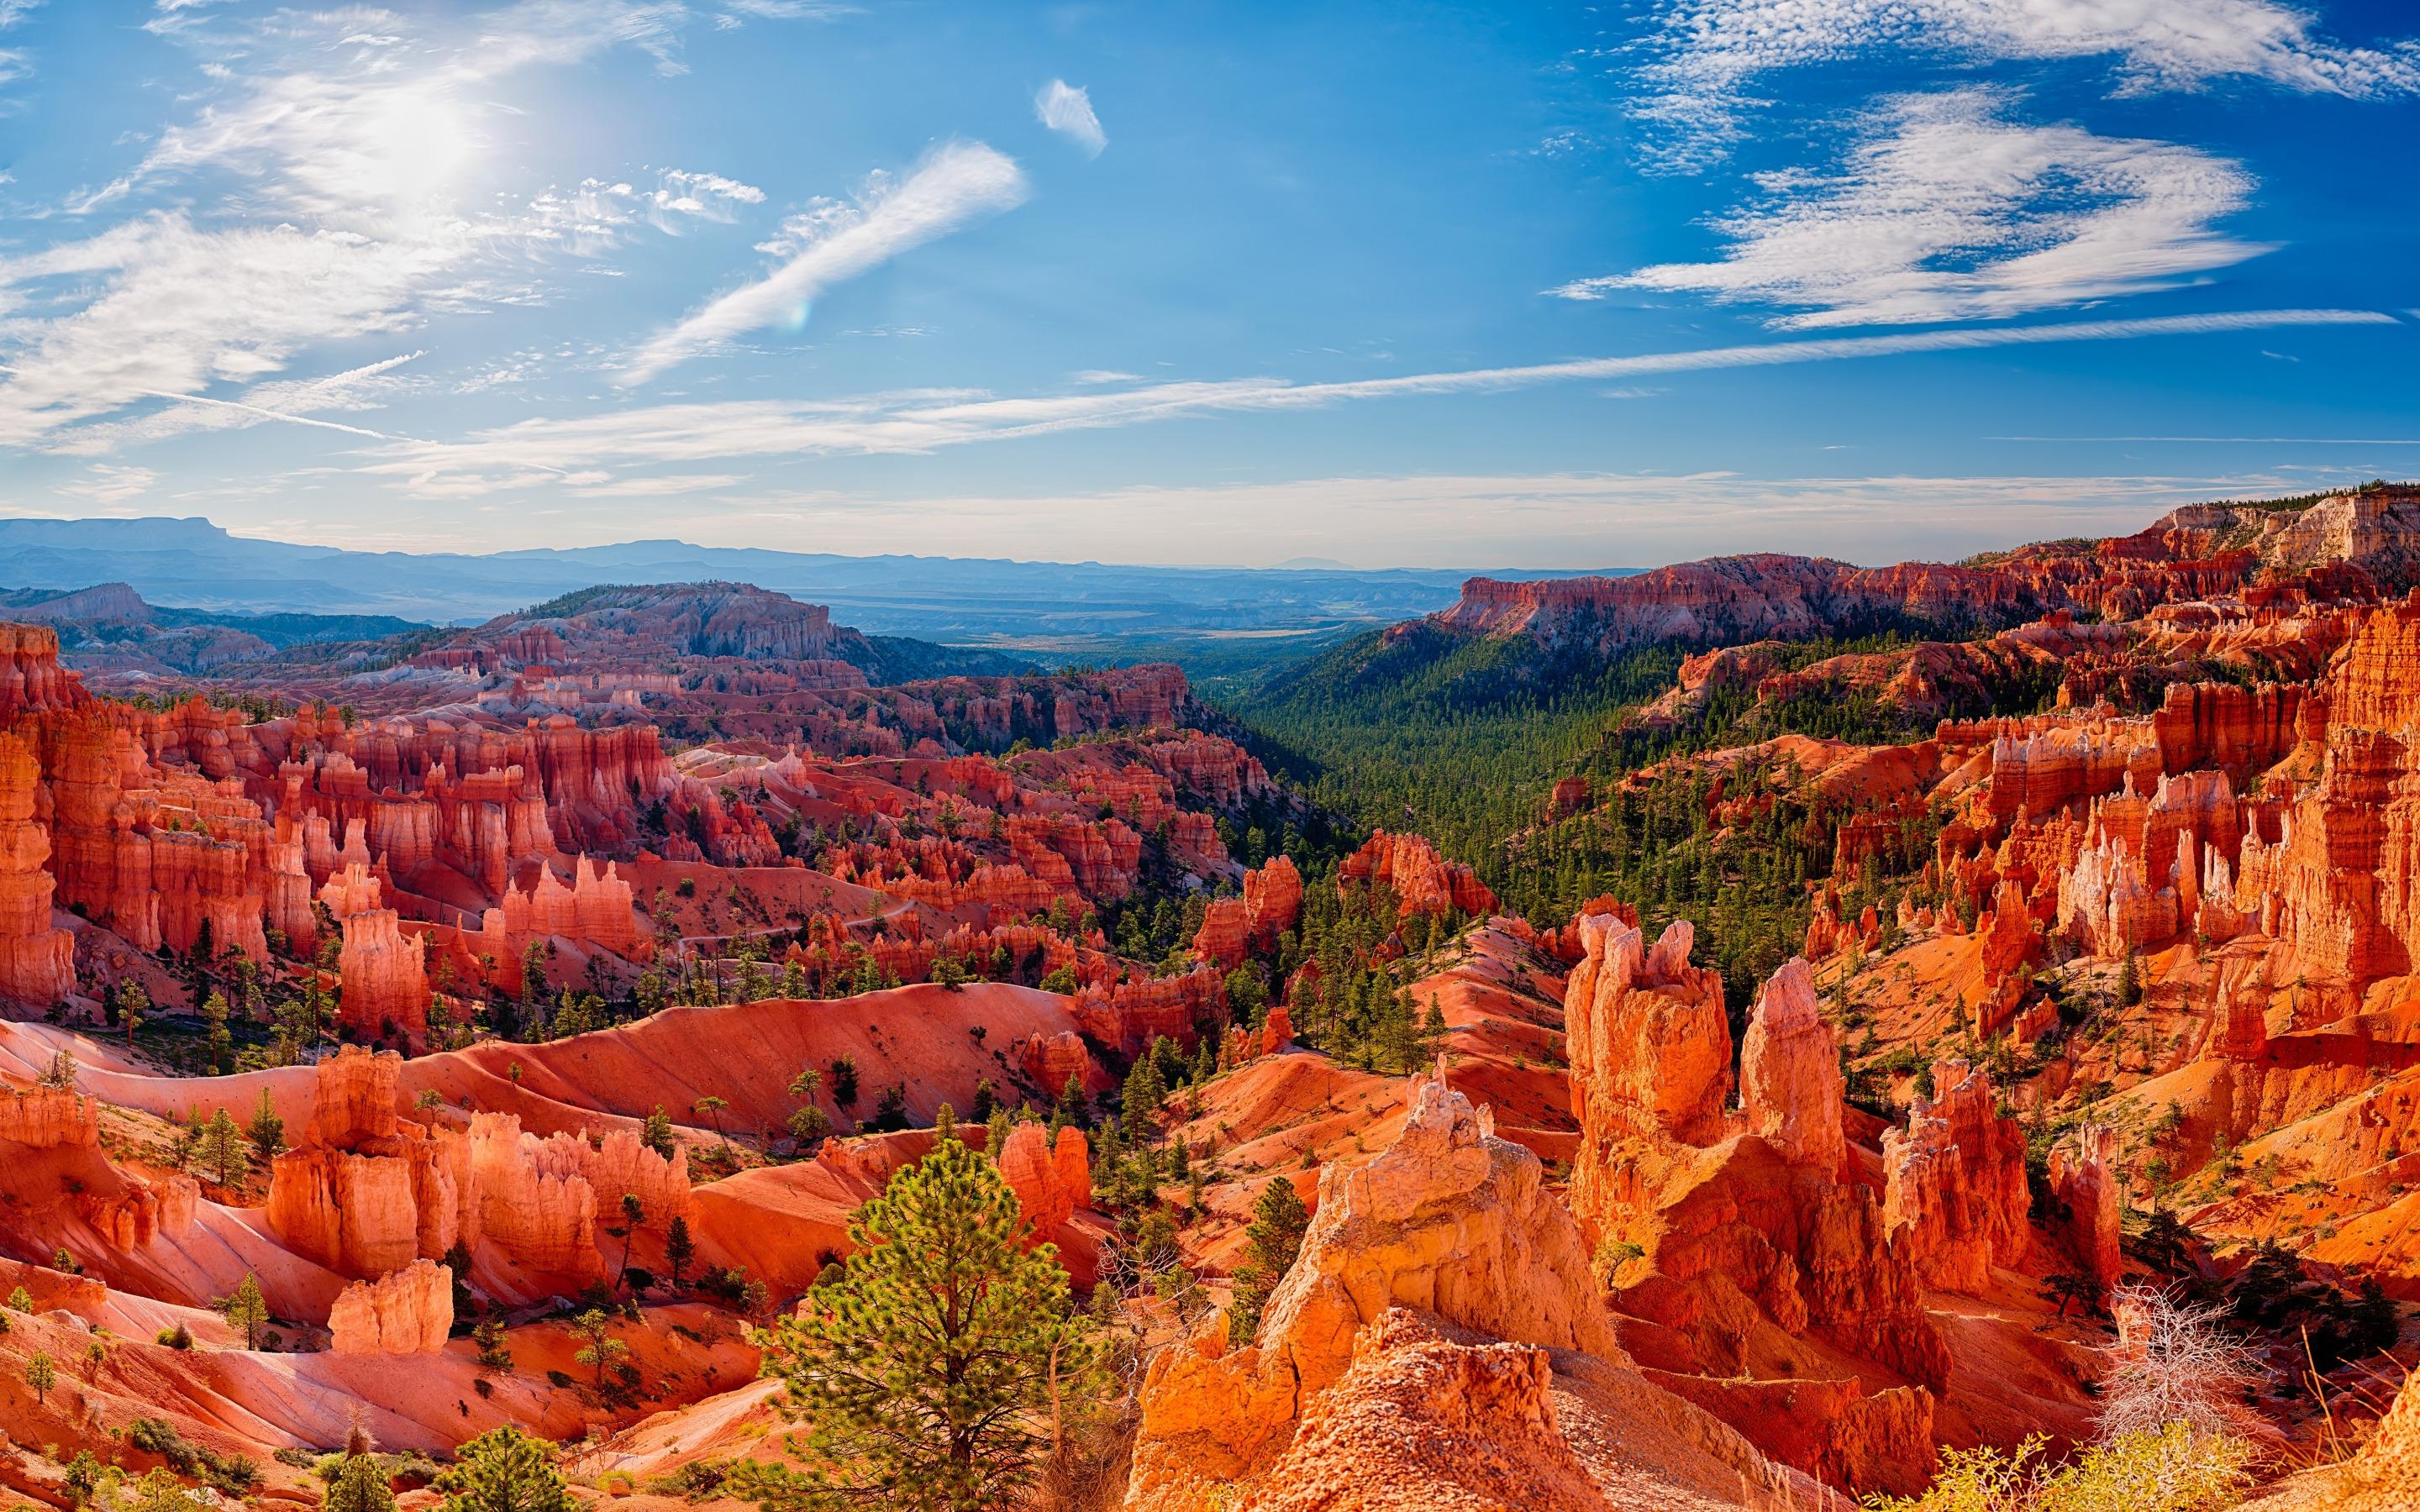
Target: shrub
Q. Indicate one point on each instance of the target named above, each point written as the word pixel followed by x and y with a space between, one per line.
pixel 2168 1469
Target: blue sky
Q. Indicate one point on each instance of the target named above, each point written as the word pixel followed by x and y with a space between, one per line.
pixel 1391 284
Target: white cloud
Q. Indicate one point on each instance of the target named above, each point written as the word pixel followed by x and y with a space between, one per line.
pixel 1710 50
pixel 734 11
pixel 1068 111
pixel 536 452
pixel 1103 374
pixel 319 186
pixel 104 483
pixel 959 182
pixel 1948 211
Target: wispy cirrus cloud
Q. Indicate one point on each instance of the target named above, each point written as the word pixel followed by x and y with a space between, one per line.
pixel 105 484
pixel 320 194
pixel 1068 111
pixel 538 452
pixel 1706 54
pixel 1949 211
pixel 958 184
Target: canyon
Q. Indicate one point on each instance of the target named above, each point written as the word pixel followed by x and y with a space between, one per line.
pixel 604 959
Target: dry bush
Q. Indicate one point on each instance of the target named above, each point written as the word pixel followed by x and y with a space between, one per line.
pixel 2175 1363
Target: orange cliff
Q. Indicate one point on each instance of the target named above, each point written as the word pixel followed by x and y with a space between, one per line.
pixel 1739 1237
pixel 1349 1397
pixel 37 961
pixel 1233 927
pixel 1423 880
pixel 370 1192
pixel 385 979
pixel 1956 1196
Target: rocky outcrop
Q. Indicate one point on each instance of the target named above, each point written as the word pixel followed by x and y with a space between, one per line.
pixel 1052 1181
pixel 1423 882
pixel 1272 900
pixel 384 974
pixel 1790 1072
pixel 407 1312
pixel 31 679
pixel 356 1214
pixel 1650 1043
pixel 47 1117
pixel 352 1099
pixel 1730 1230
pixel 1427 1418
pixel 2085 1178
pixel 1448 1219
pixel 37 961
pixel 1956 1196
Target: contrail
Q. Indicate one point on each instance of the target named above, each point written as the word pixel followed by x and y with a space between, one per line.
pixel 266 413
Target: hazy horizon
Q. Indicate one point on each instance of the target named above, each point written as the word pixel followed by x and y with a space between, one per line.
pixel 1429 285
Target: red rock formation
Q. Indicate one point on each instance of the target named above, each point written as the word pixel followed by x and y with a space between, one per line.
pixel 541 1215
pixel 408 1312
pixel 44 1117
pixel 1956 1196
pixel 31 679
pixel 1278 1032
pixel 1049 1188
pixel 1224 934
pixel 1423 880
pixel 1790 1072
pixel 2084 1177
pixel 37 961
pixel 1650 1043
pixel 1130 1015
pixel 1049 1062
pixel 1449 1214
pixel 1836 1430
pixel 354 1214
pixel 353 1098
pixel 1272 900
pixel 385 980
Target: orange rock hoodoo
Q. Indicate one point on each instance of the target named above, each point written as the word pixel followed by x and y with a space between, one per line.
pixel 1736 1230
pixel 37 961
pixel 406 1312
pixel 1449 1218
pixel 1956 1198
pixel 1423 880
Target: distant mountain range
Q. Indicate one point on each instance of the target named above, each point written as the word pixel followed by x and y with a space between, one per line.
pixel 194 563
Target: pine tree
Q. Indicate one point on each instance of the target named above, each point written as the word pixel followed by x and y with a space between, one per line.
pixel 1271 1242
pixel 504 1470
pixel 494 1352
pixel 266 1131
pixel 1146 1093
pixel 220 1147
pixel 602 1348
pixel 680 1248
pixel 41 1376
pixel 359 1483
pixel 657 1133
pixel 1074 1107
pixel 218 1043
pixel 246 1310
pixel 1434 1031
pixel 934 1371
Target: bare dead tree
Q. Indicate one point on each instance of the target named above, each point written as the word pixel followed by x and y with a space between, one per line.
pixel 2175 1362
